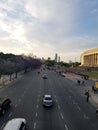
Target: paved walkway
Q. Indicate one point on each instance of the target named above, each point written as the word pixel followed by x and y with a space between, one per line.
pixel 93 96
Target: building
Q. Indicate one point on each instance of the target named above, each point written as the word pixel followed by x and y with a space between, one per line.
pixel 90 58
pixel 56 57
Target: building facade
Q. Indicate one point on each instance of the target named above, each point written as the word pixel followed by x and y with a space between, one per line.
pixel 90 58
pixel 56 57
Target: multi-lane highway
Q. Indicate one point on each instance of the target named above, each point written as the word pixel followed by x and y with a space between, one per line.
pixel 70 110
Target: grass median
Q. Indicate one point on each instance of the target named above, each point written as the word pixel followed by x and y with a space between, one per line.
pixel 93 75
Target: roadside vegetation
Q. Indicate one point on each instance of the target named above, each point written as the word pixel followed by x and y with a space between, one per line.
pixel 52 63
pixel 12 64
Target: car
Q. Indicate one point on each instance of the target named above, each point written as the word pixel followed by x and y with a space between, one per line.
pixel 63 74
pixel 38 72
pixel 4 105
pixel 16 124
pixel 45 76
pixel 47 101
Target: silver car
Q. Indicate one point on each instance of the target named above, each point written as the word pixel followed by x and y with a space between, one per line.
pixel 16 124
pixel 45 76
pixel 47 101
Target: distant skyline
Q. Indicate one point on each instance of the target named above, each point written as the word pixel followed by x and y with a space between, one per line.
pixel 46 27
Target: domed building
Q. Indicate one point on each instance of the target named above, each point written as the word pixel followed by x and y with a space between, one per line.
pixel 90 58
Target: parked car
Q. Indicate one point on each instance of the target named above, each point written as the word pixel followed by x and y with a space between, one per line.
pixel 16 124
pixel 4 105
pixel 47 101
pixel 45 76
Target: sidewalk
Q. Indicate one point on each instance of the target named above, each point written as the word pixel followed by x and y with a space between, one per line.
pixel 5 79
pixel 94 99
pixel 93 96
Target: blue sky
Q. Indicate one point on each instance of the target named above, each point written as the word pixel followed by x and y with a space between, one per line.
pixel 46 27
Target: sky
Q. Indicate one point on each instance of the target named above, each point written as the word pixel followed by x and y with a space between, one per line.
pixel 45 27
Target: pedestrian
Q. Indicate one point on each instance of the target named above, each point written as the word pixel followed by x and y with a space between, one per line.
pixel 87 95
pixel 94 89
pixel 97 111
pixel 82 82
pixel 87 99
pixel 78 81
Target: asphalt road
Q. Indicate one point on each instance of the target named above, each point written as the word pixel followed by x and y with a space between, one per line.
pixel 70 110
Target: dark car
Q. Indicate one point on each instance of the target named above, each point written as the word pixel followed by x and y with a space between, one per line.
pixel 4 105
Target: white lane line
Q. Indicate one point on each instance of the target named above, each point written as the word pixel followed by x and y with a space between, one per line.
pixel 34 125
pixel 37 106
pixel 58 107
pixel 39 95
pixel 24 91
pixel 36 114
pixel 56 100
pixel 6 96
pixel 23 95
pixel 10 114
pixel 39 92
pixel 70 96
pixel 62 116
pixel 55 96
pixel 74 102
pixel 2 126
pixel 85 116
pixel 66 127
pixel 38 100
pixel 16 105
pixel 19 100
pixel 78 108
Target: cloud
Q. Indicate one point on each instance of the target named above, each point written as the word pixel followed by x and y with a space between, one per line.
pixel 46 27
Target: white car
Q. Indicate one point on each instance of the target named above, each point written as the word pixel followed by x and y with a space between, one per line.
pixel 16 124
pixel 47 101
pixel 45 76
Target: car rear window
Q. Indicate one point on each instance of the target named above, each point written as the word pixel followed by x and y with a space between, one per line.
pixel 48 98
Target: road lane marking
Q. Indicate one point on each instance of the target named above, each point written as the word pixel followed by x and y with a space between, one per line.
pixel 6 96
pixel 37 106
pixel 55 96
pixel 85 116
pixel 36 114
pixel 10 114
pixel 62 116
pixel 78 108
pixel 23 95
pixel 58 107
pixel 16 105
pixel 34 125
pixel 38 100
pixel 66 127
pixel 19 100
pixel 56 100
pixel 74 102
pixel 39 95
